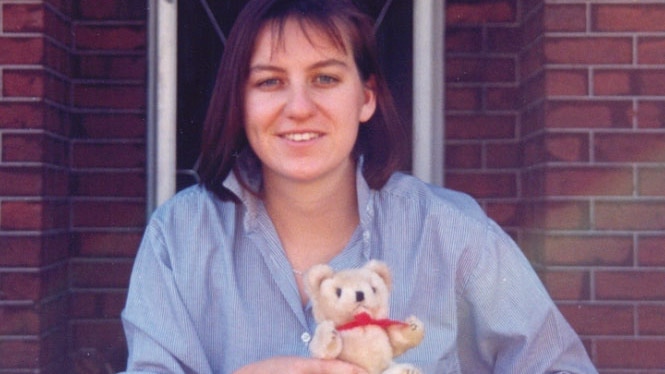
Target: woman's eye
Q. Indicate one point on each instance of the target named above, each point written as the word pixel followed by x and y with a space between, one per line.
pixel 325 80
pixel 268 83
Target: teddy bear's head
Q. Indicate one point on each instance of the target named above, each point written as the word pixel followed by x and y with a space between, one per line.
pixel 339 296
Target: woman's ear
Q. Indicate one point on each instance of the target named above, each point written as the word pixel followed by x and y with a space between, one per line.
pixel 369 103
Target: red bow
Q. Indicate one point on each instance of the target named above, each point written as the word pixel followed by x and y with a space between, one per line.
pixel 364 319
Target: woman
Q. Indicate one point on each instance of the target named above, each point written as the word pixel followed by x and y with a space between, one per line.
pixel 298 167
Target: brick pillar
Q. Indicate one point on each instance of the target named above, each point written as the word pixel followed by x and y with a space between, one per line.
pixel 594 173
pixel 34 218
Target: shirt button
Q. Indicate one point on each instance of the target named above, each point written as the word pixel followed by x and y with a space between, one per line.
pixel 366 235
pixel 305 337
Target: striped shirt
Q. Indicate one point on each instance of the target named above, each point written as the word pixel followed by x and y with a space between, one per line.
pixel 212 290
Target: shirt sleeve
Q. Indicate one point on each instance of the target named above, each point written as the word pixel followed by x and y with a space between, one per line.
pixel 161 336
pixel 510 324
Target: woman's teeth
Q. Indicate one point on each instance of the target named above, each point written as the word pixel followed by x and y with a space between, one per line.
pixel 302 136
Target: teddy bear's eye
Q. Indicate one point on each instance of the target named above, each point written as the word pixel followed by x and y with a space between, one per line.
pixel 374 289
pixel 338 292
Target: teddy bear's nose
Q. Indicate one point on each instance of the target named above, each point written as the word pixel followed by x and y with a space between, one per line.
pixel 360 296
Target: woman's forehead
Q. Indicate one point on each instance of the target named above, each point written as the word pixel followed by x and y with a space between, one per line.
pixel 318 34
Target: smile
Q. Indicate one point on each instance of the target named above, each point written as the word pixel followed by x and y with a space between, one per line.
pixel 302 136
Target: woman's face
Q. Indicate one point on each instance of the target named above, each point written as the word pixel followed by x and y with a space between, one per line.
pixel 304 103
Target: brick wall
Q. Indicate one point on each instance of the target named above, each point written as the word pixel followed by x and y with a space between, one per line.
pixel 34 154
pixel 587 112
pixel 72 184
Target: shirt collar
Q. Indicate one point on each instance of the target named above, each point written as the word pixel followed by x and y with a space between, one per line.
pixel 250 172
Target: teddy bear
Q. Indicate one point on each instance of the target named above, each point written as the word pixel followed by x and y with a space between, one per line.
pixel 351 310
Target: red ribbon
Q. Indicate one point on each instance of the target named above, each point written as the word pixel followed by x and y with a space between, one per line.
pixel 364 319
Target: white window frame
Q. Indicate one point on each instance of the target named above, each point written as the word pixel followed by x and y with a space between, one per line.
pixel 428 96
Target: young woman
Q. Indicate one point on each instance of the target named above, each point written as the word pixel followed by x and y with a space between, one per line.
pixel 298 167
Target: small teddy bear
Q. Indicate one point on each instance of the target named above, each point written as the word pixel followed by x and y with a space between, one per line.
pixel 351 311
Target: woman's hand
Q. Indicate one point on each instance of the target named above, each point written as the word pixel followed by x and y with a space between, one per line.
pixel 299 365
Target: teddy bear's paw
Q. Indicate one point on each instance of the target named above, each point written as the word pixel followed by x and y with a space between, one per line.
pixel 326 343
pixel 402 369
pixel 415 324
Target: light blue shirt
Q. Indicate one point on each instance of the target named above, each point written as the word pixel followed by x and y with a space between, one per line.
pixel 212 290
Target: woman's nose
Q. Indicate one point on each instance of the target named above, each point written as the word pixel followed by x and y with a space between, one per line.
pixel 299 103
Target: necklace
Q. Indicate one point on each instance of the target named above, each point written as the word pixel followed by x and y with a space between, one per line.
pixel 298 272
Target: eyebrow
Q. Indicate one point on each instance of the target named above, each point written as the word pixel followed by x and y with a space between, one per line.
pixel 317 65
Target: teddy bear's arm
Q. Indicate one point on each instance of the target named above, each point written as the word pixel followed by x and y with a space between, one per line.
pixel 326 343
pixel 405 337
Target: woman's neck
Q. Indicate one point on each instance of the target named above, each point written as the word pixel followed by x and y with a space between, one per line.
pixel 314 221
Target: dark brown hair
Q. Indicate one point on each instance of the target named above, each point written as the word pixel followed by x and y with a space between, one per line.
pixel 380 140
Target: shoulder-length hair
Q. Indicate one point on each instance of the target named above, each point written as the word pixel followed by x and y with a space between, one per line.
pixel 380 140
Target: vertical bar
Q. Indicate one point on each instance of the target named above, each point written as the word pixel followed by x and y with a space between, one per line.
pixel 162 102
pixel 428 90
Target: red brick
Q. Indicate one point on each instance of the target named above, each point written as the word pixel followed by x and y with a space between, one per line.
pixel 108 126
pixel 109 155
pixel 106 244
pixel 110 96
pixel 463 156
pixel 593 50
pixel 650 114
pixel 501 98
pixel 588 181
pixel 116 184
pixel 504 39
pixel 32 215
pixel 23 18
pixel 22 51
pixel 532 60
pixel 589 114
pixel 100 274
pixel 650 319
pixel 463 98
pixel 24 83
pixel 651 50
pixel 589 319
pixel 630 353
pixel 628 17
pixel 651 250
pixel 19 321
pixel 562 215
pixel 483 184
pixel 573 82
pixel 96 304
pixel 21 116
pixel 33 250
pixel 633 215
pixel 463 39
pixel 502 155
pixel 111 67
pixel 110 38
pixel 21 181
pixel 630 285
pixel 587 250
pixel 567 285
pixel 565 17
pixel 651 181
pixel 19 354
pixel 480 69
pixel 111 10
pixel 629 82
pixel 101 336
pixel 34 147
pixel 505 214
pixel 107 214
pixel 479 13
pixel 480 127
pixel 572 147
pixel 629 147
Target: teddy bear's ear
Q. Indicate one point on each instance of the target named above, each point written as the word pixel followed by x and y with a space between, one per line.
pixel 315 276
pixel 382 270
